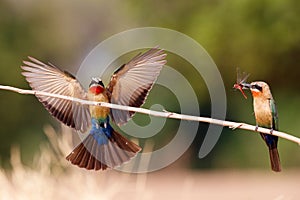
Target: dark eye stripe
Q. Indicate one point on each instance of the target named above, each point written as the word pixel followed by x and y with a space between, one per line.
pixel 257 87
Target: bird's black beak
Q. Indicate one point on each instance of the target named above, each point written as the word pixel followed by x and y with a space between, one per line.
pixel 242 86
pixel 245 85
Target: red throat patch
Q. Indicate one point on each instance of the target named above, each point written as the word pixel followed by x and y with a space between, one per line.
pixel 96 89
pixel 255 93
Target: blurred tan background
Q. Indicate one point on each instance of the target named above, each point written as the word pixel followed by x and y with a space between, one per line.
pixel 261 37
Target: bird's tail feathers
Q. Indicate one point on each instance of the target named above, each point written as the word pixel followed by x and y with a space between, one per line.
pixel 274 158
pixel 92 155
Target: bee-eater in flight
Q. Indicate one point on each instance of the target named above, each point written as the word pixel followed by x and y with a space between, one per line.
pixel 130 85
pixel 265 115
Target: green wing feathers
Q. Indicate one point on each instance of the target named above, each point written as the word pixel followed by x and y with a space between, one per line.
pixel 274 114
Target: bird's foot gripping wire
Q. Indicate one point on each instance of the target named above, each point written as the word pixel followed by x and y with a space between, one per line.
pixel 237 125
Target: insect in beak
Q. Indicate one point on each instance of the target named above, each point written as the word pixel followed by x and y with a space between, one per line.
pixel 241 82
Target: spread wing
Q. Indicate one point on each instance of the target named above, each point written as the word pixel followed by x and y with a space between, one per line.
pixel 131 83
pixel 48 78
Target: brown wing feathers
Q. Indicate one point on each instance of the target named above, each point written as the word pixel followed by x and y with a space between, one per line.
pixel 131 83
pixel 90 155
pixel 49 78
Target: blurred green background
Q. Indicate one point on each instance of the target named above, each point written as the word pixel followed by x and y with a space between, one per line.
pixel 261 37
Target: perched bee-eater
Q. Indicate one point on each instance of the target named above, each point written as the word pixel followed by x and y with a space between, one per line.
pixel 129 85
pixel 265 116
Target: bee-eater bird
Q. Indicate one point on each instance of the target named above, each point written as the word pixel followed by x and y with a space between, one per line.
pixel 266 116
pixel 129 85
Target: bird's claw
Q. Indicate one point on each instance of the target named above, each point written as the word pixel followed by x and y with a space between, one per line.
pixel 169 113
pixel 271 131
pixel 238 125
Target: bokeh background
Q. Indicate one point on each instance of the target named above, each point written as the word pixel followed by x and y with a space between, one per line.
pixel 261 37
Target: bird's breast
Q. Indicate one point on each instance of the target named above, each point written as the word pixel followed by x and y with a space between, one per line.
pixel 99 112
pixel 263 114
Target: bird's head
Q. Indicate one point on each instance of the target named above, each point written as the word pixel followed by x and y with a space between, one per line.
pixel 260 89
pixel 96 86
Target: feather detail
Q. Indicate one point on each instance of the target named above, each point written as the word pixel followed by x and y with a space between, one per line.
pixel 48 78
pixel 274 159
pixel 271 141
pixel 132 82
pixel 92 155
